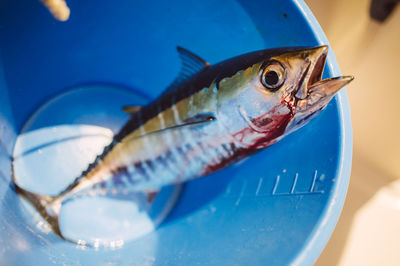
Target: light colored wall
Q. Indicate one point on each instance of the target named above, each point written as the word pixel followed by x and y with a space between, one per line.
pixel 368 231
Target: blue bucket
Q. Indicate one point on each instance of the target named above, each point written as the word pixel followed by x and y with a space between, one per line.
pixel 279 207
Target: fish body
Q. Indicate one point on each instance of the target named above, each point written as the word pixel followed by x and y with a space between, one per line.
pixel 210 117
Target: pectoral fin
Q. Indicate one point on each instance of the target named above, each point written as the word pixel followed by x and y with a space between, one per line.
pixel 199 118
pixel 202 118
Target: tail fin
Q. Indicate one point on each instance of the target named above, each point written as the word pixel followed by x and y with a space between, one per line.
pixel 48 206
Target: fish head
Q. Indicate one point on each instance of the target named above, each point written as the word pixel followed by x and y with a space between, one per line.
pixel 275 96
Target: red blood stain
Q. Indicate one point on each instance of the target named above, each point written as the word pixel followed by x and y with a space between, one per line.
pixel 273 125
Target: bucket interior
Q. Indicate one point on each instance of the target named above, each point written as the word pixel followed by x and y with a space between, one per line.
pixel 267 209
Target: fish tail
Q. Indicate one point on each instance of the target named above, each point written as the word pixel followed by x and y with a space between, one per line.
pixel 48 207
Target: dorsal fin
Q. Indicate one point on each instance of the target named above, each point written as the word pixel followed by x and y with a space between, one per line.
pixel 190 65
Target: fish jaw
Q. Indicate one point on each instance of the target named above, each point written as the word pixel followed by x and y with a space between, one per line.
pixel 319 95
pixel 313 69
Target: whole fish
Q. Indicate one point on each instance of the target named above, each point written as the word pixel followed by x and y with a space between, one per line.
pixel 209 118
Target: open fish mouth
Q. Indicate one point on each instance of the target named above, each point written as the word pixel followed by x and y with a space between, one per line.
pixel 314 93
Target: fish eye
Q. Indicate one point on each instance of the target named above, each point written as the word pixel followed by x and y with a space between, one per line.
pixel 273 76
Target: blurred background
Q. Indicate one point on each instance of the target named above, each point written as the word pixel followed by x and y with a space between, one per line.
pixel 368 230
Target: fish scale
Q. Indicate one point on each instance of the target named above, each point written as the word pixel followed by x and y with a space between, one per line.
pixel 195 156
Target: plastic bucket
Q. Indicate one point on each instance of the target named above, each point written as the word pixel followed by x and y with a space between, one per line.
pixel 276 208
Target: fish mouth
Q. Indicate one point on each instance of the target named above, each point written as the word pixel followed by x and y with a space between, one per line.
pixel 321 92
pixel 314 93
pixel 315 59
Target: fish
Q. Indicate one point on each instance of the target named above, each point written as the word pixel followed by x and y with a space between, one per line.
pixel 210 117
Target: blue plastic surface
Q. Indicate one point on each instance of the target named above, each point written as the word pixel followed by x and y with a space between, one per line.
pixel 278 207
